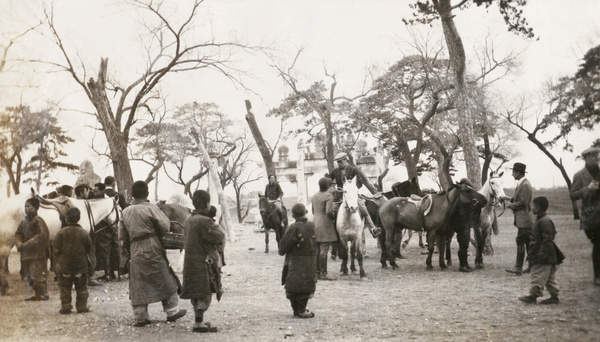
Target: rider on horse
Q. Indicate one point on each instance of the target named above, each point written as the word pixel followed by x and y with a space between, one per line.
pixel 347 171
pixel 274 194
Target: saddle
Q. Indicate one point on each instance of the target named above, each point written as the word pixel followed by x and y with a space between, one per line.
pixel 423 205
pixel 61 204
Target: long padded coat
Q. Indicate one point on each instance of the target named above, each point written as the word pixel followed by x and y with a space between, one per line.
pixel 299 245
pixel 201 265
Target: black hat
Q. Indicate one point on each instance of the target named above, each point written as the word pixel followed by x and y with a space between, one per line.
pixel 591 150
pixel 519 167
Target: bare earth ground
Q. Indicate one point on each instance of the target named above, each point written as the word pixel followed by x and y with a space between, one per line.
pixel 410 303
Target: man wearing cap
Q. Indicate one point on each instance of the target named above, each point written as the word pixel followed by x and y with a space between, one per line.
pixel 585 188
pixel 521 205
pixel 347 171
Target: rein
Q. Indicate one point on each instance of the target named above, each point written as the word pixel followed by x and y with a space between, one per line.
pixel 494 202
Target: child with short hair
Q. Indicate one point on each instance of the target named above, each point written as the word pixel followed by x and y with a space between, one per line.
pixel 32 238
pixel 545 256
pixel 71 247
pixel 299 245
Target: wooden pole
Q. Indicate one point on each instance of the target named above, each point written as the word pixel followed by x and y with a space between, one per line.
pixel 226 216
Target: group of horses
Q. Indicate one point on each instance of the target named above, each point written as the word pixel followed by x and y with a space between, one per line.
pixel 394 212
pixel 458 210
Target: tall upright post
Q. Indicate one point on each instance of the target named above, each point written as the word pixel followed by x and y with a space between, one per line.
pixel 212 189
pixel 301 181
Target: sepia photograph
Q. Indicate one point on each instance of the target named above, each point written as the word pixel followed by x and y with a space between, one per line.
pixel 333 170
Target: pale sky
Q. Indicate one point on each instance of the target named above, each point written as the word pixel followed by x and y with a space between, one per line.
pixel 348 37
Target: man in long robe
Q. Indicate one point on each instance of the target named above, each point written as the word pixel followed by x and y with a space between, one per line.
pixel 150 278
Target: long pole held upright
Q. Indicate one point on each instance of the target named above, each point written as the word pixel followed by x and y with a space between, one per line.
pixel 222 200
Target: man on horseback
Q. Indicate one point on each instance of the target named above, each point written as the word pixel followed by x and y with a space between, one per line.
pixel 274 194
pixel 347 171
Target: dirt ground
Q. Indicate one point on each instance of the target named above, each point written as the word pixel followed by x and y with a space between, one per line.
pixel 410 303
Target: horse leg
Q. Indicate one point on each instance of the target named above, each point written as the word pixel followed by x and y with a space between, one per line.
pixel 266 239
pixel 441 242
pixel 421 240
pixel 430 248
pixel 3 274
pixel 343 254
pixel 479 239
pixel 448 251
pixel 353 255
pixel 405 243
pixel 383 257
pixel 397 247
pixel 359 257
pixel 389 236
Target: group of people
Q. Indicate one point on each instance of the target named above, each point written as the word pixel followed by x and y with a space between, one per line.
pixel 143 257
pixel 305 245
pixel 536 231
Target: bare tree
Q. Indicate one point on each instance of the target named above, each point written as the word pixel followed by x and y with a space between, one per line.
pixel 172 46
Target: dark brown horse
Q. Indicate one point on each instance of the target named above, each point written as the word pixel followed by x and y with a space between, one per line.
pixel 272 219
pixel 399 189
pixel 431 214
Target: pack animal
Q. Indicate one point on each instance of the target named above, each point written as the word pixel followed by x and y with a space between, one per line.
pixel 493 190
pixel 92 211
pixel 431 214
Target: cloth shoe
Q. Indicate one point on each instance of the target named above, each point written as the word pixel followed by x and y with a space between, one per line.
pixel 83 310
pixel 141 323
pixel 92 282
pixel 551 300
pixel 64 311
pixel 37 298
pixel 515 271
pixel 528 299
pixel 326 276
pixel 177 315
pixel 203 327
pixel 306 314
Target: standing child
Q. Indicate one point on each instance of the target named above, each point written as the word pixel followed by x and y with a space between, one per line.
pixel 545 256
pixel 71 247
pixel 32 242
pixel 299 245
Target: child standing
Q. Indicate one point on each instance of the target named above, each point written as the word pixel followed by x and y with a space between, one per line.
pixel 71 247
pixel 32 242
pixel 545 256
pixel 299 245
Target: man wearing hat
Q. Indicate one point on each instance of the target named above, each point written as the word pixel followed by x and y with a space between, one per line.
pixel 347 171
pixel 521 205
pixel 585 188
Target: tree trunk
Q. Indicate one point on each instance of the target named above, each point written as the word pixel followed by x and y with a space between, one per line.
pixel 409 161
pixel 117 140
pixel 487 160
pixel 265 152
pixel 456 52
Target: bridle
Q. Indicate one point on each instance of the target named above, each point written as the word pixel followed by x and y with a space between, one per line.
pixel 91 216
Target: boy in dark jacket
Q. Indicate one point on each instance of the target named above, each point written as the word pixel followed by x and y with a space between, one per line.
pixel 299 245
pixel 71 247
pixel 545 256
pixel 32 240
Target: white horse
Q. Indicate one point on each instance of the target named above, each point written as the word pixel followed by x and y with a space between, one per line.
pixel 12 213
pixel 493 190
pixel 350 227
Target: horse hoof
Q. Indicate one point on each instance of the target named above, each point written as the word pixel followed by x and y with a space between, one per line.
pixel 465 269
pixel 364 278
pixel 401 256
pixel 479 267
pixel 429 268
pixel 384 266
pixel 449 263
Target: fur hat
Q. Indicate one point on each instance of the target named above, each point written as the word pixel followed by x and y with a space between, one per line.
pixel 298 211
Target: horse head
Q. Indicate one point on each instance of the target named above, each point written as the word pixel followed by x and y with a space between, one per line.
pixel 263 204
pixel 469 196
pixel 493 188
pixel 407 188
pixel 350 199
